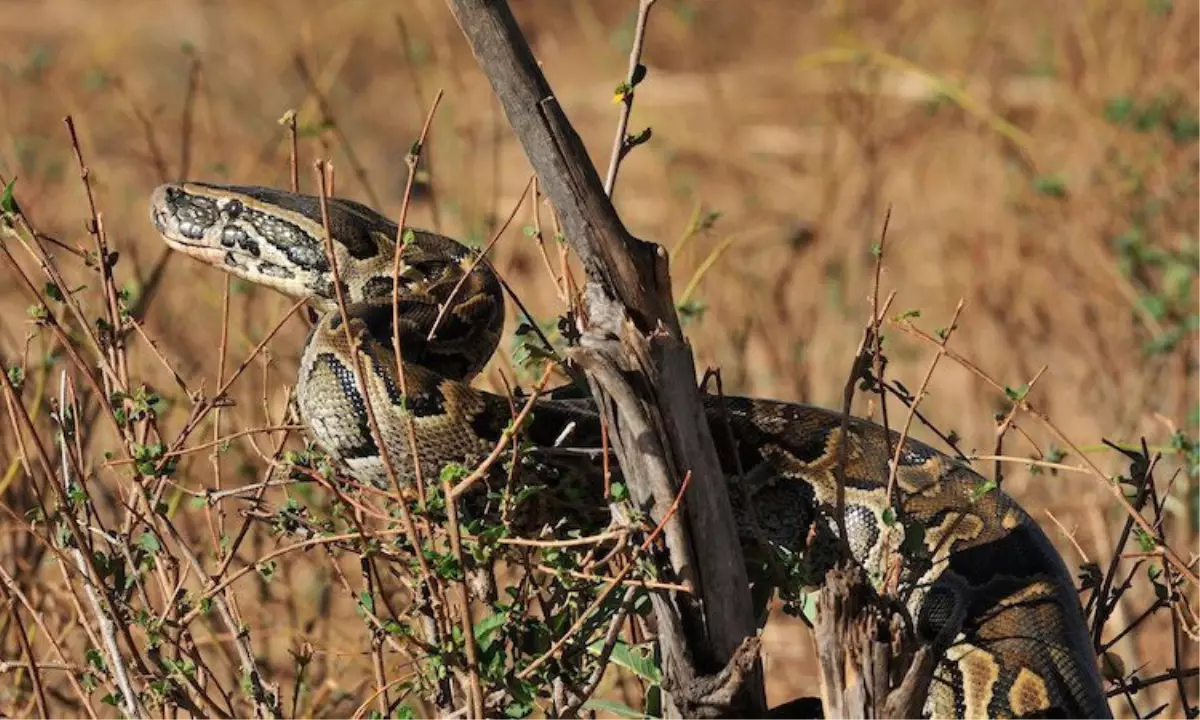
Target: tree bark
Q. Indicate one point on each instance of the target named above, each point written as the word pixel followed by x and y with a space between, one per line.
pixel 642 374
pixel 868 666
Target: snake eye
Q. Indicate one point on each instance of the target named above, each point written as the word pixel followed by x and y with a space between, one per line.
pixel 233 208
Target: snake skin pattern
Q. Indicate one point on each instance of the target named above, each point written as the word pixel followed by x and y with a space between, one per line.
pixel 984 584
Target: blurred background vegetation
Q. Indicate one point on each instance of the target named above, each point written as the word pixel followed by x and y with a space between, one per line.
pixel 1039 159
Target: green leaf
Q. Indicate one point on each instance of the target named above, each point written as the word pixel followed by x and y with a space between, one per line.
pixel 267 570
pixel 1154 305
pixel 1160 7
pixel 8 204
pixel 149 543
pixel 1177 278
pixel 453 472
pixel 1151 116
pixel 1018 393
pixel 692 310
pixel 518 710
pixel 1118 109
pixel 95 659
pixel 1164 342
pixel 315 129
pixel 1050 186
pixel 622 93
pixel 982 489
pixel 1185 128
pixel 485 628
pixel 638 659
pixel 1145 542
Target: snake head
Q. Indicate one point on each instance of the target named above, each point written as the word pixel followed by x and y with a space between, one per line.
pixel 270 237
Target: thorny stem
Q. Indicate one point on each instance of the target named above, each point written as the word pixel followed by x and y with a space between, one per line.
pixel 9 587
pixel 201 410
pixel 9 584
pixel 217 528
pixel 1003 427
pixel 60 332
pixel 877 335
pixel 466 617
pixel 289 119
pixel 95 227
pixel 17 409
pixel 540 239
pixel 110 352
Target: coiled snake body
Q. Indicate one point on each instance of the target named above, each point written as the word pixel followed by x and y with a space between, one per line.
pixel 988 584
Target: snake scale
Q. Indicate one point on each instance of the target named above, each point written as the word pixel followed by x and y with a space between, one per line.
pixel 987 585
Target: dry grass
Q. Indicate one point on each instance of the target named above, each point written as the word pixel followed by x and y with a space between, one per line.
pixel 1040 163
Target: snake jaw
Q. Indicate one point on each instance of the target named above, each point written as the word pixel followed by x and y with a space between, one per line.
pixel 193 225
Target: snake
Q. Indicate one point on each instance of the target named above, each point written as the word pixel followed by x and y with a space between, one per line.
pixel 984 583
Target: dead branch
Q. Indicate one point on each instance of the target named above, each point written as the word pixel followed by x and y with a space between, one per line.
pixel 640 370
pixel 869 668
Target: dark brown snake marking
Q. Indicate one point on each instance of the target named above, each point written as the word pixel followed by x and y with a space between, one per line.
pixel 984 581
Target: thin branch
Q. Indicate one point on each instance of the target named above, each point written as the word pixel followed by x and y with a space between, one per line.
pixel 132 706
pixel 632 78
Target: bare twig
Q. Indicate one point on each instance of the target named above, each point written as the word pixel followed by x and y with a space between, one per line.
pixel 632 78
pixel 103 620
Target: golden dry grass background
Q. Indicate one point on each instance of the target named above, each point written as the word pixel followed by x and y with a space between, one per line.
pixel 1017 144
